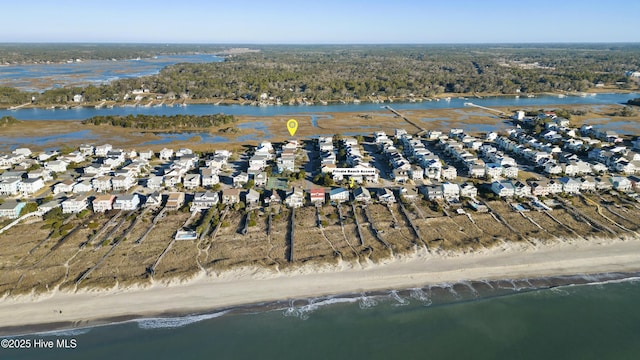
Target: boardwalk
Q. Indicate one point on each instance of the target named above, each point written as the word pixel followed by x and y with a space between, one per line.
pixel 422 130
pixel 499 112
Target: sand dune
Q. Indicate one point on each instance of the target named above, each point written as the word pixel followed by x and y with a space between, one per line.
pixel 252 285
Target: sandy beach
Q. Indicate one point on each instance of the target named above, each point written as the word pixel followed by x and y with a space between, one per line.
pixel 249 286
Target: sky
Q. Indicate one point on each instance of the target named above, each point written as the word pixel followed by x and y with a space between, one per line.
pixel 320 22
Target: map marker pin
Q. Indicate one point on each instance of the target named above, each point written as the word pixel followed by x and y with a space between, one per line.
pixel 292 126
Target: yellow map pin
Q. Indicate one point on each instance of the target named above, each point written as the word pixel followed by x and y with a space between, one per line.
pixel 292 126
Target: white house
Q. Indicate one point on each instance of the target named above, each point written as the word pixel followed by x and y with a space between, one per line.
pixel 82 186
pixel 432 192
pixel 539 188
pixel 295 198
pixel 240 179
pixel 361 194
pixel 65 186
pixel 56 166
pixel 75 205
pixel 204 200
pixel 570 185
pixel 103 203
pixel 191 181
pixel 620 183
pixel 102 150
pixel 271 197
pixel 493 170
pixel 127 202
pixel 101 184
pixel 146 155
pixel 339 195
pixel 510 172
pixel 588 184
pixel 153 200
pixel 386 196
pixel 40 173
pixel 521 189
pixel 503 188
pixel 230 196
pixel 451 191
pixel 48 206
pixel 252 199
pixel 554 186
pixel 468 190
pixel 30 186
pixel 9 186
pixel 166 154
pixel 286 162
pixel 260 179
pixel 209 176
pixel 11 209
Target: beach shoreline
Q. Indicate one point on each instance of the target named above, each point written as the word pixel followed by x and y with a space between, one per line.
pixel 246 287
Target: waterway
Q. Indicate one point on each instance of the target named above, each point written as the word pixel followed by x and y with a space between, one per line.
pixel 40 77
pixel 246 110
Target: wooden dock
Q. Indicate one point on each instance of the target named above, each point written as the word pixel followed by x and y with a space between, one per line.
pixel 499 112
pixel 396 112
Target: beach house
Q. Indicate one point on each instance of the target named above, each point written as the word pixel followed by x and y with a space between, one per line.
pixel 191 181
pixel 230 196
pixel 432 192
pixel 65 186
pixel 127 202
pixel 317 195
pixel 153 200
pixel 451 192
pixel 204 200
pixel 361 194
pixel 75 204
pixel 9 186
pixel 503 188
pixel 11 209
pixel 209 176
pixel 103 203
pixel 252 199
pixel 174 201
pixel 295 198
pixel 386 196
pixel 339 195
pixel 30 186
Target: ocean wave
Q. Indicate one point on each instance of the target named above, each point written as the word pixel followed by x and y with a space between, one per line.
pixel 314 304
pixel 399 300
pixel 366 302
pixel 419 295
pixel 175 322
pixel 65 333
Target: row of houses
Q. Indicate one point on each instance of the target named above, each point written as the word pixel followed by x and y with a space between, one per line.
pixel 567 185
pixel 358 170
pixel 425 164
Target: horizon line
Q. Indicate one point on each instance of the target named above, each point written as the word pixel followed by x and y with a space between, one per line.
pixel 311 44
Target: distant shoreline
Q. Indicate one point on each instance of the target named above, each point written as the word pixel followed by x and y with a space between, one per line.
pixel 228 102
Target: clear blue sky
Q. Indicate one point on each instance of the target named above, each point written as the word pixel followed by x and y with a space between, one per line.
pixel 329 21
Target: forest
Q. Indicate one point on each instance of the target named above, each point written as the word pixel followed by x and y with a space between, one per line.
pixel 347 72
pixel 157 122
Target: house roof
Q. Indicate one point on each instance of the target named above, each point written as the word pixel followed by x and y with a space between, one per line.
pixel 105 197
pixel 337 191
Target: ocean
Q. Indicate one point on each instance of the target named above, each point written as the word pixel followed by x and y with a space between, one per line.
pixel 580 317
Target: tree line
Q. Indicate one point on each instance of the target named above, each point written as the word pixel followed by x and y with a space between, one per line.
pixel 333 73
pixel 158 122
